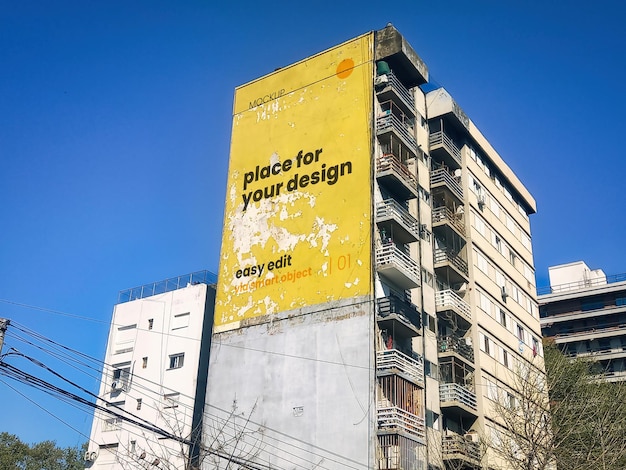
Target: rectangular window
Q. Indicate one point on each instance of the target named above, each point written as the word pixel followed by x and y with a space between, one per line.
pixel 177 360
pixel 171 400
pixel 139 400
pixel 121 377
pixel 503 319
pixel 180 321
pixel 150 323
pixel 144 362
pixel 112 424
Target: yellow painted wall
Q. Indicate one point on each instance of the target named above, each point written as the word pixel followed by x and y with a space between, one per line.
pixel 298 204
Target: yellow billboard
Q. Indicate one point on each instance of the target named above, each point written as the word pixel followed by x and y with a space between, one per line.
pixel 298 205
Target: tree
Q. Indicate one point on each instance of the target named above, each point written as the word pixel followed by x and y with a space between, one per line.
pixel 46 455
pixel 567 418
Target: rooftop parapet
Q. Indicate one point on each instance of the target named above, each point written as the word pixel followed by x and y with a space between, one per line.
pixel 402 59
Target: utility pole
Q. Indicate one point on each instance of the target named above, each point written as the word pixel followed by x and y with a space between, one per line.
pixel 4 323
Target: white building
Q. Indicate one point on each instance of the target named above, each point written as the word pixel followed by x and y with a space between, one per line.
pixel 153 384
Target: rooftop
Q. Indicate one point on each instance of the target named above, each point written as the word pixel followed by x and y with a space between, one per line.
pixel 167 285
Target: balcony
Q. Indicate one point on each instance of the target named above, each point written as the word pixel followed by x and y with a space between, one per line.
pixel 446 300
pixel 441 177
pixel 443 215
pixel 457 397
pixel 394 362
pixel 457 447
pixel 388 87
pixel 452 344
pixel 442 147
pixel 396 177
pixel 400 316
pixel 396 221
pixel 390 124
pixel 397 266
pixel 448 258
pixel 394 420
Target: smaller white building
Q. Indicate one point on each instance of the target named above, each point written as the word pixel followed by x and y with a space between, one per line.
pixel 151 396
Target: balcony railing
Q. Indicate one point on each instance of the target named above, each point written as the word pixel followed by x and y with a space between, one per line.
pixel 457 345
pixel 168 285
pixel 449 256
pixel 443 214
pixel 394 361
pixel 397 420
pixel 394 305
pixel 453 392
pixel 455 445
pixel 442 140
pixel 448 299
pixel 391 122
pixel 397 86
pixel 390 209
pixel 442 176
pixel 398 266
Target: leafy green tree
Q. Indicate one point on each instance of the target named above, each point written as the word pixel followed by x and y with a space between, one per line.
pixel 46 455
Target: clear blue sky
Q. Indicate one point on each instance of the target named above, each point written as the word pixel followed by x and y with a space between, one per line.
pixel 114 133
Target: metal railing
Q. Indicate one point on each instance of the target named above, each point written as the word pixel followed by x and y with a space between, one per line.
pixel 458 345
pixel 390 254
pixel 449 256
pixel 450 299
pixel 390 121
pixel 390 208
pixel 400 89
pixel 441 139
pixel 463 445
pixel 443 214
pixel 168 285
pixel 441 175
pixel 389 162
pixel 389 359
pixel 395 305
pixel 579 285
pixel 457 393
pixel 393 418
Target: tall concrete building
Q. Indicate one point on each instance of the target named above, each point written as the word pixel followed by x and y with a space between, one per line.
pixel 376 287
pixel 151 397
pixel 584 313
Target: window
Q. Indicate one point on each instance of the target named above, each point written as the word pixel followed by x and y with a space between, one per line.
pixel 171 400
pixel 505 359
pixel 431 370
pixel 177 360
pixel 503 318
pixel 520 333
pixel 432 419
pixel 112 424
pixel 150 323
pixel 144 362
pixel 139 400
pixel 121 377
pixel 180 321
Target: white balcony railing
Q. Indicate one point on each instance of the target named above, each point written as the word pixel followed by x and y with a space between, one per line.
pixel 390 256
pixel 441 175
pixel 441 139
pixel 390 208
pixel 392 359
pixel 396 419
pixel 448 299
pixel 453 392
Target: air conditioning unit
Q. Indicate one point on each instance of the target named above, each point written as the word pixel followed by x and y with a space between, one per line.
pixel 468 341
pixel 90 456
pixel 472 436
pixel 116 385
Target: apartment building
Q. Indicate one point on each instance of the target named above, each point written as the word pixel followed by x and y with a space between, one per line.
pixel 151 398
pixel 584 312
pixel 376 288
